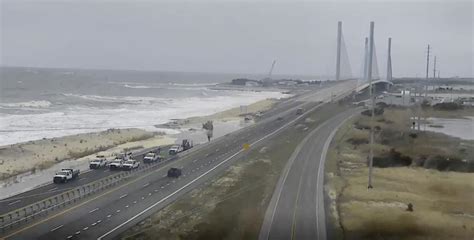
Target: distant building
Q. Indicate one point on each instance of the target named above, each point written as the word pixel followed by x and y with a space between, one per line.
pixel 402 98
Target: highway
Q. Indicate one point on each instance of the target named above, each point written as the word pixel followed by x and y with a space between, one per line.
pixel 50 189
pixel 106 214
pixel 296 210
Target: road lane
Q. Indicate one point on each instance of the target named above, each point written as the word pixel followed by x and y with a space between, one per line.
pixel 296 210
pixel 140 195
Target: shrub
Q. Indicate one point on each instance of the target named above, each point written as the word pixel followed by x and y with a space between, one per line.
pixel 377 112
pixel 392 159
pixel 448 106
pixel 443 163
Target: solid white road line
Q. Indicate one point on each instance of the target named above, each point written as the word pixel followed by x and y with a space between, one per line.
pixel 56 228
pixel 320 175
pixel 208 171
pixel 17 201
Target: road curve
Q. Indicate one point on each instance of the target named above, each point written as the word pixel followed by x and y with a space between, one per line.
pixel 296 210
pixel 108 213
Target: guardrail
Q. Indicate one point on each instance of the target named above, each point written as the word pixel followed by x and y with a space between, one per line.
pixel 44 207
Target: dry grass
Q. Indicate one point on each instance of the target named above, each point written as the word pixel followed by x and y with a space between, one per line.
pixel 232 206
pixel 443 201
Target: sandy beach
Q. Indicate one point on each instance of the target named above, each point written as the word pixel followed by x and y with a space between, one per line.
pixel 19 161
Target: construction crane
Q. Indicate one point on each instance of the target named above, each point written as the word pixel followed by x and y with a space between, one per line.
pixel 271 70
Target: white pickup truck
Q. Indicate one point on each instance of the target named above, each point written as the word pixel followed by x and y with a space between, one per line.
pixel 116 164
pixel 99 162
pixel 175 149
pixel 65 175
pixel 151 157
pixel 130 164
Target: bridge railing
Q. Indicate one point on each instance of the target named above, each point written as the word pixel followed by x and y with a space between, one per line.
pixel 31 212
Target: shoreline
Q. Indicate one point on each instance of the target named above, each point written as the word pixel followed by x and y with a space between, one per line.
pixel 23 164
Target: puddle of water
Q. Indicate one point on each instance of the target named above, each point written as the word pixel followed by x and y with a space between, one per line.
pixel 461 128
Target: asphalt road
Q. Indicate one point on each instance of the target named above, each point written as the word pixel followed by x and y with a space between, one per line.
pixel 106 214
pixel 296 210
pixel 51 189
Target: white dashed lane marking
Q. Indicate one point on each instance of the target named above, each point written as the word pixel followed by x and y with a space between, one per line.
pixel 123 196
pixel 93 210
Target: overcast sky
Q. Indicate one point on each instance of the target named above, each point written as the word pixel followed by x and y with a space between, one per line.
pixel 235 36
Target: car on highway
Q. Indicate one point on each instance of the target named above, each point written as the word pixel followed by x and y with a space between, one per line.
pixel 299 111
pixel 65 175
pixel 117 163
pixel 130 164
pixel 151 157
pixel 174 172
pixel 99 162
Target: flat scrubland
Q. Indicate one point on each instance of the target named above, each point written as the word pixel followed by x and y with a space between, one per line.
pixel 233 204
pixel 431 171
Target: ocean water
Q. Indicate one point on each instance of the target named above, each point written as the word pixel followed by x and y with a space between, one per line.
pixel 44 103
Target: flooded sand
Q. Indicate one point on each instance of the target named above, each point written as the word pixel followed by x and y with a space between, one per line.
pixel 462 128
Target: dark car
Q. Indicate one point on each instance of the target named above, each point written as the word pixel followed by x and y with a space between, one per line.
pixel 174 172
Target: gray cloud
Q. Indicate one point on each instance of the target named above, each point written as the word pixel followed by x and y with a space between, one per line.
pixel 234 36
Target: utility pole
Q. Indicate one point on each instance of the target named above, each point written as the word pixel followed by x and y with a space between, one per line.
pixel 389 60
pixel 372 98
pixel 434 71
pixel 427 70
pixel 338 56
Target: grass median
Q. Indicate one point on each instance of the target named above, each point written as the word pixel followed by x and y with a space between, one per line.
pixel 232 205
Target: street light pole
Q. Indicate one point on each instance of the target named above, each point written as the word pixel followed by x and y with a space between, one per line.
pixel 372 98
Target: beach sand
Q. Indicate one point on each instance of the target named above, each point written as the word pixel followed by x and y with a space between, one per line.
pixel 41 154
pixel 27 158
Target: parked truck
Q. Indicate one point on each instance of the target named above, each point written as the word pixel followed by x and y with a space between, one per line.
pixel 185 145
pixel 65 175
pixel 99 162
pixel 130 164
pixel 151 157
pixel 117 163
